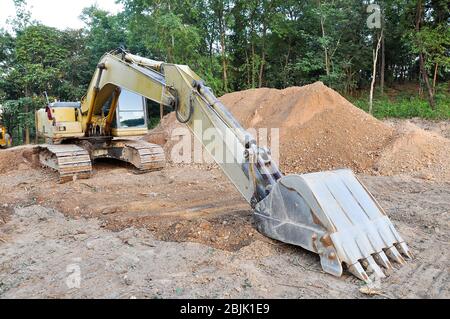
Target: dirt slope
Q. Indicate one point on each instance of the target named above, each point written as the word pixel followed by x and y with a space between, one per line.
pixel 415 151
pixel 319 129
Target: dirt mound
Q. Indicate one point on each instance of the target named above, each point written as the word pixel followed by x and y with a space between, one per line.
pixel 170 132
pixel 319 129
pixel 414 150
pixel 439 127
pixel 22 157
pixel 163 134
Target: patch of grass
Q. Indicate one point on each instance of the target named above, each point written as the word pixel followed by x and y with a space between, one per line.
pixel 406 106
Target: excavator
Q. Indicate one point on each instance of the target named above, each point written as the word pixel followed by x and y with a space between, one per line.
pixel 329 213
pixel 4 140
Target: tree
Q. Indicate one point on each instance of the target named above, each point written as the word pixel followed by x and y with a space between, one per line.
pixel 104 32
pixel 432 44
pixel 232 45
pixel 221 16
pixel 37 67
pixel 420 50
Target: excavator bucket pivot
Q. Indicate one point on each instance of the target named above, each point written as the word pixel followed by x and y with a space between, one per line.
pixel 335 216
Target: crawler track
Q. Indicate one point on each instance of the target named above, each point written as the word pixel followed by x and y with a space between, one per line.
pixel 144 156
pixel 71 161
pixel 75 161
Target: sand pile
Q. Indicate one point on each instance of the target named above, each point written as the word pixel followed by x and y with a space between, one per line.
pixel 170 132
pixel 319 129
pixel 418 152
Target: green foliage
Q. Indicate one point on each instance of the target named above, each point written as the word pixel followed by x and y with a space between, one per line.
pixel 434 42
pixel 15 119
pixel 103 33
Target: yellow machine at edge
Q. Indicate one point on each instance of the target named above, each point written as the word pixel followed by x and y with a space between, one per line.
pixel 5 140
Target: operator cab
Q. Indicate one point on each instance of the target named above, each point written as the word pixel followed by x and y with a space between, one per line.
pixel 130 117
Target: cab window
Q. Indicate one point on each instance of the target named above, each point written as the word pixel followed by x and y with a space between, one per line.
pixel 131 110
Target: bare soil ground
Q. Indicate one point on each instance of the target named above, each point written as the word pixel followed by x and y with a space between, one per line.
pixel 185 232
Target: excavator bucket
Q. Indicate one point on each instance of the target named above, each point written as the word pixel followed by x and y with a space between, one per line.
pixel 335 216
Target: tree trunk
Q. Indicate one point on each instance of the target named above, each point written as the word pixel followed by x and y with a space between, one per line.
pixel 374 74
pixel 253 65
pixel 286 64
pixel 435 78
pixel 383 66
pixel 263 59
pixel 261 69
pixel 427 81
pixel 224 60
pixel 423 71
pixel 322 26
pixel 27 128
pixel 247 68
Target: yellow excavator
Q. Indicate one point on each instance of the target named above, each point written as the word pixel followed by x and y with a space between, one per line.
pixel 4 137
pixel 329 213
pixel 104 124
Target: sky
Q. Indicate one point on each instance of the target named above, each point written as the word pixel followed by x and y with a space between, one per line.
pixel 60 14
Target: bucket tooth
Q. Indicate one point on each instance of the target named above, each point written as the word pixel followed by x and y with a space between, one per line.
pixel 335 216
pixel 383 260
pixel 403 248
pixel 395 255
pixel 358 271
pixel 372 267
